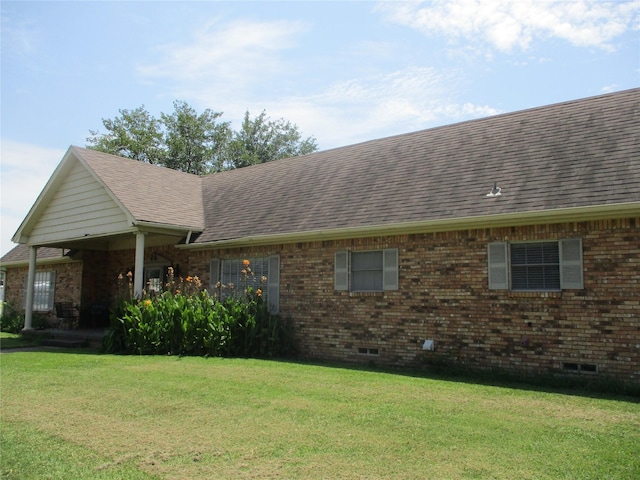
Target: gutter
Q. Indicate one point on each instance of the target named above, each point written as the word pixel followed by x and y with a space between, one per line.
pixel 561 215
pixel 39 261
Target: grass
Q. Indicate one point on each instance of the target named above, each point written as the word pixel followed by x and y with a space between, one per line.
pixel 17 340
pixel 67 415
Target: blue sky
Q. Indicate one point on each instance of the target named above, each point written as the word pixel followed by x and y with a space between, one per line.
pixel 344 72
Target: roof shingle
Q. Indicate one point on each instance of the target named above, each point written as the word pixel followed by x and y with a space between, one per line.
pixel 582 153
pixel 579 153
pixel 150 193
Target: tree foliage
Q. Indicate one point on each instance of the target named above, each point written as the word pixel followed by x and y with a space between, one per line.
pixel 195 143
pixel 199 143
pixel 262 140
pixel 134 134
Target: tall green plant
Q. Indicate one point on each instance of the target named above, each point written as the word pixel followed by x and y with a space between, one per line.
pixel 186 320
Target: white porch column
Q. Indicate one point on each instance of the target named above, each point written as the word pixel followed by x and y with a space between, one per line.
pixel 31 277
pixel 138 274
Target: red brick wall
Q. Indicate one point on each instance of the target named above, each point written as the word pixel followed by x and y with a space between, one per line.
pixel 444 296
pixel 120 262
pixel 68 284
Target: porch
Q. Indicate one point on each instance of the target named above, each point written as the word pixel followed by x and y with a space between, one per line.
pixel 80 338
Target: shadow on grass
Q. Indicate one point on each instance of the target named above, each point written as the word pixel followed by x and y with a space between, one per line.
pixel 566 384
pixel 591 387
pixel 13 341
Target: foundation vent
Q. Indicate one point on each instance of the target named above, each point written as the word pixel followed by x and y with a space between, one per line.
pixel 367 351
pixel 586 368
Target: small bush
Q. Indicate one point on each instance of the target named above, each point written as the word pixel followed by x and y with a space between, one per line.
pixel 12 319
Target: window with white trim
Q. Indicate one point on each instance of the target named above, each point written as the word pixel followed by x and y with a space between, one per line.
pixel 153 279
pixel 44 285
pixel 366 271
pixel 231 276
pixel 536 266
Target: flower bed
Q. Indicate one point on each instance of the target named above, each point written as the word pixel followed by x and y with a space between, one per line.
pixel 186 319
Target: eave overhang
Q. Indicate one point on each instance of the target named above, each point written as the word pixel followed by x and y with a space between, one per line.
pixel 40 261
pixel 561 215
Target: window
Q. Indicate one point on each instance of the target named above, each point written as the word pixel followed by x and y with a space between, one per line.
pixel 536 266
pixel 369 271
pixel 44 285
pixel 229 273
pixel 153 278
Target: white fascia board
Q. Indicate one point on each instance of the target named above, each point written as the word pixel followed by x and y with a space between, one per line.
pixel 86 237
pixel 153 227
pixel 40 261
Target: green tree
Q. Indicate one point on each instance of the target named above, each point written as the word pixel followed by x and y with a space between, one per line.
pixel 195 143
pixel 263 140
pixel 134 134
pixel 199 143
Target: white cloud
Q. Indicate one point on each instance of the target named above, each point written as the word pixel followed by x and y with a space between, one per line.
pixel 242 66
pixel 363 109
pixel 610 88
pixel 19 37
pixel 227 57
pixel 508 24
pixel 25 169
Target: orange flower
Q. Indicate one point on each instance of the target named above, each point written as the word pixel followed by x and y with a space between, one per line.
pixel 188 279
pixel 246 263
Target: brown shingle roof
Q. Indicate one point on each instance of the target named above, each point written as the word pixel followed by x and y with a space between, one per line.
pixel 583 153
pixel 150 193
pixel 20 254
pixel 574 154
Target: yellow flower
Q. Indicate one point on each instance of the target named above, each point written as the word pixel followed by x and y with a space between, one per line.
pixel 147 303
pixel 259 292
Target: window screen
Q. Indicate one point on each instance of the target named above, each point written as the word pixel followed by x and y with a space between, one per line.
pixel 235 281
pixel 366 271
pixel 535 266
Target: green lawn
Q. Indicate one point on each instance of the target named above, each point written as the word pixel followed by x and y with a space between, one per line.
pixel 87 416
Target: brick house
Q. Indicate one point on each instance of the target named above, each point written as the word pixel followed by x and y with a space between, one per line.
pixel 510 242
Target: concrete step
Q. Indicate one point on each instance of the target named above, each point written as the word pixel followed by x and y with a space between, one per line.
pixel 64 343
